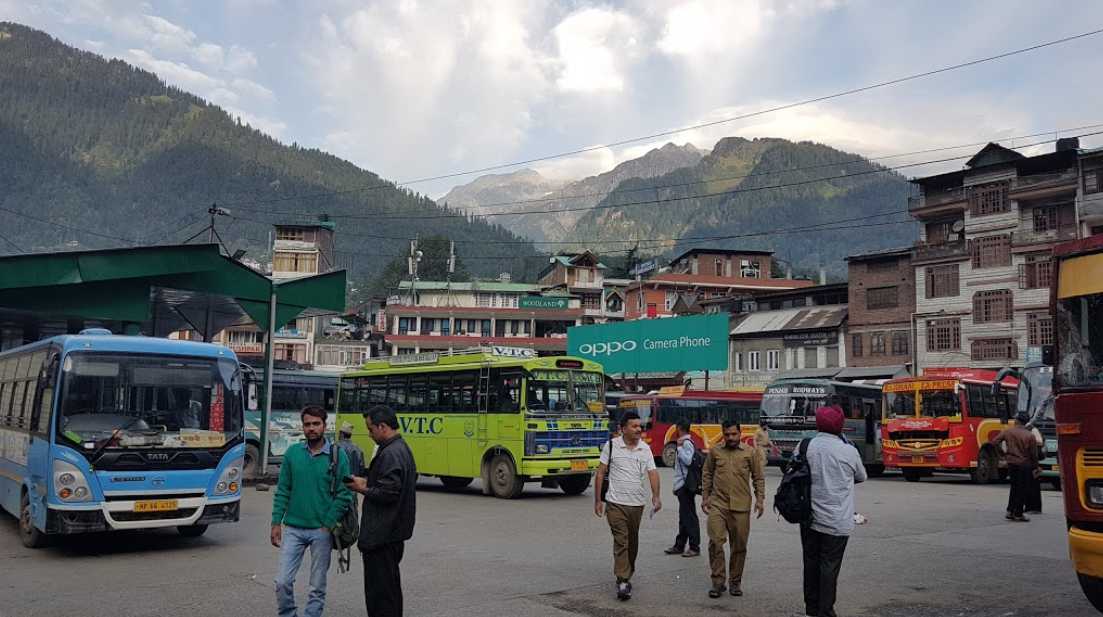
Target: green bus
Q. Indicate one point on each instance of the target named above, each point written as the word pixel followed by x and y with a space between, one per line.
pixel 500 414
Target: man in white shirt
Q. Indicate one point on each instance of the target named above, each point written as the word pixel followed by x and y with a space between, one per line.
pixel 836 467
pixel 626 462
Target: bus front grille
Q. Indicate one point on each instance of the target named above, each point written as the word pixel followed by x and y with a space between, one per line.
pixel 128 517
pixel 1092 457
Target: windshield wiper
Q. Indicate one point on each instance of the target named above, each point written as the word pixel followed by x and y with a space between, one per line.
pixel 114 434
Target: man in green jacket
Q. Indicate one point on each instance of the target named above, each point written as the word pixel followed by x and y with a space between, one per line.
pixel 305 511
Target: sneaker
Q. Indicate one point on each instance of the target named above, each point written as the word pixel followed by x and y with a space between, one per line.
pixel 735 590
pixel 624 590
pixel 1009 516
pixel 716 591
pixel 674 550
pixel 1021 519
pixel 692 553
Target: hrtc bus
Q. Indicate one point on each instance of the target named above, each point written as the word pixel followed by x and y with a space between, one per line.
pixel 789 415
pixel 291 391
pixel 496 413
pixel 103 432
pixel 1035 399
pixel 945 421
pixel 1078 380
pixel 705 410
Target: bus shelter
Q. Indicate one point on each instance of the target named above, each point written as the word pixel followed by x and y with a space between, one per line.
pixel 154 291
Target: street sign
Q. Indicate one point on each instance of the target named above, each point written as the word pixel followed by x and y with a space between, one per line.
pixel 695 343
pixel 643 267
pixel 542 302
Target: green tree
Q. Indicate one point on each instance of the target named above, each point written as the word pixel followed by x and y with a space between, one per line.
pixel 432 267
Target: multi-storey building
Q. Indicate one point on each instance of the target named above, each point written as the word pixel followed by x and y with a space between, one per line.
pixel 982 265
pixel 880 306
pixel 582 275
pixel 698 275
pixel 1089 204
pixel 440 315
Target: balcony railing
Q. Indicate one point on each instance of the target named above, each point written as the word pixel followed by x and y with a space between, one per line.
pixel 1036 181
pixel 1057 234
pixel 941 250
pixel 936 199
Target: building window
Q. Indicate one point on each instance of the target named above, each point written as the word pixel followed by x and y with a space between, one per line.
pixel 754 361
pixel 856 345
pixel 989 199
pixel 811 357
pixel 881 298
pixel 943 334
pixel 773 360
pixel 291 235
pixel 1093 179
pixel 749 269
pixel 671 298
pixel 639 300
pixel 1036 272
pixel 994 349
pixel 900 343
pixel 737 361
pixel 405 325
pixel 484 300
pixel 992 305
pixel 1039 329
pixel 1045 218
pixel 306 263
pixel 719 267
pixel 991 251
pixel 591 302
pixel 445 327
pixel 877 344
pixel 832 356
pixel 942 281
pixel 939 232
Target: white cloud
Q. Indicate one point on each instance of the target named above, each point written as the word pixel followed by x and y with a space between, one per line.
pixel 239 60
pixel 176 73
pixel 710 27
pixel 594 46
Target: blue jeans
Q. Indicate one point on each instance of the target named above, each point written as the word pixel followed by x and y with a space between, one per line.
pixel 295 542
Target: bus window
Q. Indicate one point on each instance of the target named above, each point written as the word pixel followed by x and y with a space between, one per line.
pixel 464 393
pixel 588 395
pixel 348 396
pixel 417 393
pixel 396 392
pixel 548 391
pixel 939 403
pixel 505 390
pixel 438 396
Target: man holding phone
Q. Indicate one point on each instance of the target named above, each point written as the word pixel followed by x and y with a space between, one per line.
pixel 387 518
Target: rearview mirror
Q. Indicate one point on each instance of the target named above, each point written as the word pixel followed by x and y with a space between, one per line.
pixel 251 397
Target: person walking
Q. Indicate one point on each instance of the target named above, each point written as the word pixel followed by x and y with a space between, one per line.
pixel 835 466
pixel 689 527
pixel 1032 503
pixel 305 511
pixel 1022 461
pixel 731 471
pixel 387 517
pixel 351 450
pixel 626 463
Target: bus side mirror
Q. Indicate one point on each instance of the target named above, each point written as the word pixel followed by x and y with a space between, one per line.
pixel 251 397
pixel 1047 355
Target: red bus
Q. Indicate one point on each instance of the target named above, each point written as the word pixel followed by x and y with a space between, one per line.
pixel 1078 383
pixel 944 421
pixel 705 410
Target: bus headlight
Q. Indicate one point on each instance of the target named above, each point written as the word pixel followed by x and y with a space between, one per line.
pixel 228 482
pixel 1095 494
pixel 69 482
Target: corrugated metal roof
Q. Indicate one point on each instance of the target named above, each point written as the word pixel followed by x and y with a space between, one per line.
pixel 805 318
pixel 473 286
pixel 871 372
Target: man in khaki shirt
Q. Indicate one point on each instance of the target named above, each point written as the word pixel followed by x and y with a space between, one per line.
pixel 726 482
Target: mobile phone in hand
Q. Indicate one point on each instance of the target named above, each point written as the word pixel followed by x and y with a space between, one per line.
pixel 348 479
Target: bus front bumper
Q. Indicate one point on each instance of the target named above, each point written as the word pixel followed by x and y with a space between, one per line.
pixel 538 468
pixel 120 515
pixel 1086 551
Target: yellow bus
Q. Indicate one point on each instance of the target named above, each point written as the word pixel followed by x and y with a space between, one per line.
pixel 500 414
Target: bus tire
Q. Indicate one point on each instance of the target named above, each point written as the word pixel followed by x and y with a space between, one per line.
pixel 912 475
pixel 987 469
pixel 30 535
pixel 875 470
pixel 1093 590
pixel 574 485
pixel 191 531
pixel 252 462
pixel 453 483
pixel 504 481
pixel 670 454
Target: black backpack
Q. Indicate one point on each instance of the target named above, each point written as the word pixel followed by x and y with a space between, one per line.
pixel 793 500
pixel 694 472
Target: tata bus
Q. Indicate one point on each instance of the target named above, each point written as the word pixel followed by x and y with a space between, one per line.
pixel 1035 399
pixel 100 432
pixel 497 413
pixel 945 421
pixel 292 389
pixel 789 416
pixel 706 410
pixel 1078 381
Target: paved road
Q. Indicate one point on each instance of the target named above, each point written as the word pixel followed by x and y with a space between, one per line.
pixel 939 548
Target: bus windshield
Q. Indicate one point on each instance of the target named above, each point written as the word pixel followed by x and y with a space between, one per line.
pixel 557 391
pixel 1080 332
pixel 1037 399
pixel 115 401
pixel 788 404
pixel 933 403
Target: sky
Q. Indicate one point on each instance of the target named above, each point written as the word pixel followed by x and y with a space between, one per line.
pixel 412 89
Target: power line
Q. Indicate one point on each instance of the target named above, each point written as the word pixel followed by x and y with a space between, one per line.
pixel 68 227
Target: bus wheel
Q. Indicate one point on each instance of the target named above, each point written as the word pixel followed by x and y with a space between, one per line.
pixel 453 483
pixel 28 533
pixel 912 475
pixel 670 454
pixel 191 531
pixel 252 462
pixel 504 480
pixel 987 469
pixel 574 485
pixel 875 471
pixel 1093 590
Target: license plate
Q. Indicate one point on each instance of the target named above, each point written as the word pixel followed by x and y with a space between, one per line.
pixel 580 466
pixel 158 505
pixel 917 460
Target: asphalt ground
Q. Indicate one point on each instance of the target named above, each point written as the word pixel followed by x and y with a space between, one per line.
pixel 937 548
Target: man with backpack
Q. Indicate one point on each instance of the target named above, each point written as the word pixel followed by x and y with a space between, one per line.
pixel 687 484
pixel 729 472
pixel 834 467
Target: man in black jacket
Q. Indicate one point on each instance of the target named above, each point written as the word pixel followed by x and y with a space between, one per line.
pixel 388 513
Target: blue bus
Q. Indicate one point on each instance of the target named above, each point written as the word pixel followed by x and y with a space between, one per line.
pixel 101 432
pixel 292 389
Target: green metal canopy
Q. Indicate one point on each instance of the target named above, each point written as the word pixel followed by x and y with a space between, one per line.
pixel 156 290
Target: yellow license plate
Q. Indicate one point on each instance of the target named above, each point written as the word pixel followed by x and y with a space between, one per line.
pixel 917 460
pixel 579 466
pixel 158 505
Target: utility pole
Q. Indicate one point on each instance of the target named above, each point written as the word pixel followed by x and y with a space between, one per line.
pixel 412 263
